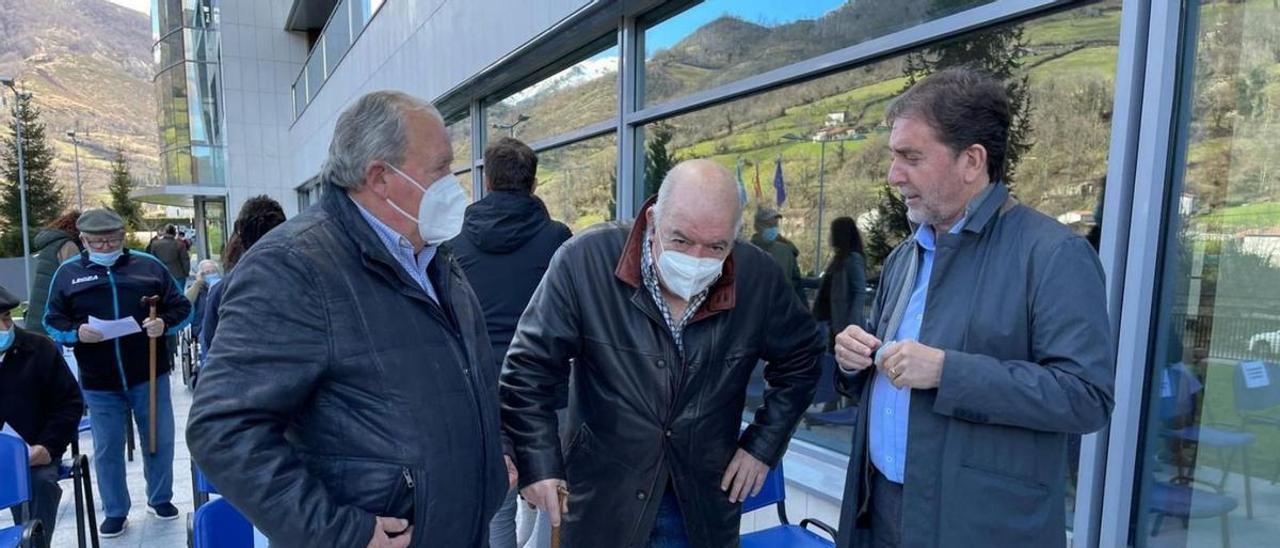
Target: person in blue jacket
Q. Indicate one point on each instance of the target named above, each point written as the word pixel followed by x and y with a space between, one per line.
pixel 108 282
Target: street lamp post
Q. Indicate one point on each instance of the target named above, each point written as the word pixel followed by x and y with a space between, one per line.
pixel 75 140
pixel 822 176
pixel 22 179
pixel 512 126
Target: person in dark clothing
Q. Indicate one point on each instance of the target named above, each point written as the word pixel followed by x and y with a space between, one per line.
pixel 173 253
pixel 108 282
pixel 57 242
pixel 40 401
pixel 660 324
pixel 349 398
pixel 507 242
pixel 258 215
pixel 842 293
pixel 785 253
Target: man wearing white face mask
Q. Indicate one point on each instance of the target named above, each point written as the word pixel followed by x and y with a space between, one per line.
pixel 348 398
pixel 664 321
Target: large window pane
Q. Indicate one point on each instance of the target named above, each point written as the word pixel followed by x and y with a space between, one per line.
pixel 315 72
pixel 578 96
pixel 578 181
pixel 337 36
pixel 1212 431
pixel 720 41
pixel 829 138
pixel 460 137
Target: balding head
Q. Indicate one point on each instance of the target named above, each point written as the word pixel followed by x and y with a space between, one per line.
pixel 698 211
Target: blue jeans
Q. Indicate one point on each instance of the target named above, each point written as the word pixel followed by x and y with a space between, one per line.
pixel 668 530
pixel 107 416
pixel 502 529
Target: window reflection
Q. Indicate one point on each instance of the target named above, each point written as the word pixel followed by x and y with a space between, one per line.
pixel 1212 432
pixel 575 97
pixel 578 182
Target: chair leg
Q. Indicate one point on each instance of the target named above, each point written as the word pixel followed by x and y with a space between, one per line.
pixel 1226 532
pixel 83 463
pixel 1248 488
pixel 77 480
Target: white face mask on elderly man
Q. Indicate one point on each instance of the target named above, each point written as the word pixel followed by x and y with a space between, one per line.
pixel 441 210
pixel 686 275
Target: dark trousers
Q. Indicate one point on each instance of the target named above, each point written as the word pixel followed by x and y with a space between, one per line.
pixel 886 511
pixel 46 494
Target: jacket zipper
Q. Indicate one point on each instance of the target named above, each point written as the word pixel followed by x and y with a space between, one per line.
pixel 115 302
pixel 408 478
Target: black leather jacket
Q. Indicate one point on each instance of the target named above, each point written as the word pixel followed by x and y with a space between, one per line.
pixel 647 418
pixel 336 389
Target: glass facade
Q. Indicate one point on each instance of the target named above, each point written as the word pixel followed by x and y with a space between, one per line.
pixel 572 98
pixel 1211 443
pixel 577 182
pixel 188 92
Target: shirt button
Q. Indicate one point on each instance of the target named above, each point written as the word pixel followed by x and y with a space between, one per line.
pixel 640 495
pixel 919 317
pixel 668 433
pixel 661 364
pixel 888 411
pixel 889 458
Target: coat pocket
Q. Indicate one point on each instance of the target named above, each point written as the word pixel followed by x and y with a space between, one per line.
pixel 1001 509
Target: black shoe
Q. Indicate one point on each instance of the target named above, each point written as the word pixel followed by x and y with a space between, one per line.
pixel 164 511
pixel 113 527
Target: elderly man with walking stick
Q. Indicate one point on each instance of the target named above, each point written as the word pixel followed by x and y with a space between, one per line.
pixel 102 289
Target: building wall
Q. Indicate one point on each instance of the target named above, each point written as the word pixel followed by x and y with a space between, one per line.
pixel 259 62
pixel 423 47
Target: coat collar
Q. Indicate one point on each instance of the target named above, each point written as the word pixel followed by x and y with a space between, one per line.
pixel 722 296
pixel 987 208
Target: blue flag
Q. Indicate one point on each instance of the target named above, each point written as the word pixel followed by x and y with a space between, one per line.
pixel 778 185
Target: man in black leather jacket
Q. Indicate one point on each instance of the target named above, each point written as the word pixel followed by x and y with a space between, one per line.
pixel 350 398
pixel 665 322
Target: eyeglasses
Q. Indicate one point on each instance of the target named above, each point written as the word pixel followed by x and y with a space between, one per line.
pixel 103 242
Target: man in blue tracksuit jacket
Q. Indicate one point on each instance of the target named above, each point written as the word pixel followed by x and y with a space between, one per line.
pixel 108 282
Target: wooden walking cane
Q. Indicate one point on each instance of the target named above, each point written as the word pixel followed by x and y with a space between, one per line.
pixel 562 496
pixel 151 423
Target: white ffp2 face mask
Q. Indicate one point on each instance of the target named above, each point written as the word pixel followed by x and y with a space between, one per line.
pixel 441 210
pixel 686 275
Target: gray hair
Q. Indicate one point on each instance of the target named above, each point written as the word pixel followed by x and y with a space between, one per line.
pixel 664 197
pixel 216 268
pixel 372 129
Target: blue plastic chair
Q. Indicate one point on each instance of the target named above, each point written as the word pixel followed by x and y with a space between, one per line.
pixel 15 491
pixel 219 525
pixel 201 488
pixel 773 493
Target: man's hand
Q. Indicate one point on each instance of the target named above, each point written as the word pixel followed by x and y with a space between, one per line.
pixel 545 495
pixel 744 477
pixel 512 475
pixel 88 334
pixel 855 349
pixel 913 365
pixel 37 455
pixel 391 533
pixel 154 328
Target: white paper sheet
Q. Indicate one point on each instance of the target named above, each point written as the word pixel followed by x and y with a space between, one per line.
pixel 114 329
pixel 1255 374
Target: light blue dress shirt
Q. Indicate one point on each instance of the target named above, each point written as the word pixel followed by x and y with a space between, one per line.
pixel 891 406
pixel 402 251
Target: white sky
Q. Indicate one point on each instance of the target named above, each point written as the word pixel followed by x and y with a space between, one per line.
pixel 143 6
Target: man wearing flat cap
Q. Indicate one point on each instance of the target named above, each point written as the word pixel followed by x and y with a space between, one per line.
pixel 778 246
pixel 108 282
pixel 40 402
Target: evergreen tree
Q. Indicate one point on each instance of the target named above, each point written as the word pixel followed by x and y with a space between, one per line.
pixel 659 159
pixel 44 199
pixel 891 228
pixel 122 184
